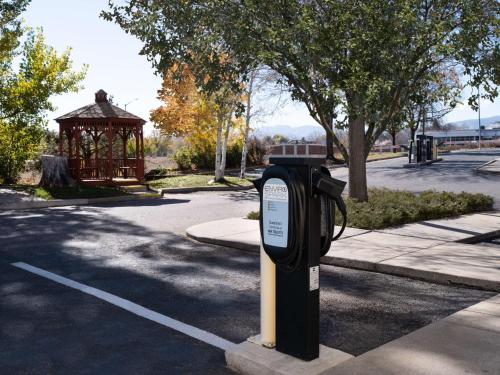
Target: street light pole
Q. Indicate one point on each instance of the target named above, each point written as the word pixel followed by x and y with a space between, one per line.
pixel 133 100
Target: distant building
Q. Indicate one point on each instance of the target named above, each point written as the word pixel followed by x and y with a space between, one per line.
pixel 457 137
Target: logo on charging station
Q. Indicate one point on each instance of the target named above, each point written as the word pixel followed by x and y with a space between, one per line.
pixel 275 212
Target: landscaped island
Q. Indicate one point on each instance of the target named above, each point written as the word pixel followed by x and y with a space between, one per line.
pixel 387 208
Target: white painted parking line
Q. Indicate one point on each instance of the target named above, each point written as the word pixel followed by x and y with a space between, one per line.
pixel 134 308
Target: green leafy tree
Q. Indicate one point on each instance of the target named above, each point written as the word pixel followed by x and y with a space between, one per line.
pixel 10 32
pixel 18 143
pixel 361 58
pixel 42 72
pixel 355 58
pixel 217 74
pixel 30 73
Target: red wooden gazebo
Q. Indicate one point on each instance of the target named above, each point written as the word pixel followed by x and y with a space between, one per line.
pixel 88 137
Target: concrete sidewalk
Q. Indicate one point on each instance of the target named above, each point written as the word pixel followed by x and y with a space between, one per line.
pixel 434 250
pixel 467 342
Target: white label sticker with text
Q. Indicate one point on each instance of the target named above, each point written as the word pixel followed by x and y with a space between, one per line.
pixel 313 278
pixel 275 212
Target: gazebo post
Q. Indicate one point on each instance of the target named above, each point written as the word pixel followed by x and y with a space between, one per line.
pixel 124 140
pixel 96 145
pixel 141 130
pixel 137 166
pixel 110 150
pixel 77 146
pixel 60 140
pixel 142 143
pixel 69 134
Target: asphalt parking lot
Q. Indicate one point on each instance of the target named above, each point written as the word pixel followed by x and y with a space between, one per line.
pixel 455 173
pixel 129 252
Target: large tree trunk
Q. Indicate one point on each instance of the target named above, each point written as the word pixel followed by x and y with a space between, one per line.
pixel 248 116
pixel 55 171
pixel 357 158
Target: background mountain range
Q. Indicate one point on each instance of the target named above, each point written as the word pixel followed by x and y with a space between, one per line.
pixel 312 131
pixel 473 123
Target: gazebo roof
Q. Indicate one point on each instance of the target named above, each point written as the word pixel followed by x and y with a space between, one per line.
pixel 101 109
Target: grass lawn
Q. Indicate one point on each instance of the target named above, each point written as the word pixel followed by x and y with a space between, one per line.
pixel 387 208
pixel 196 180
pixel 70 192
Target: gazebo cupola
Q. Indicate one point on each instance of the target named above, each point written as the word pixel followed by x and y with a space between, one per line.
pixel 98 140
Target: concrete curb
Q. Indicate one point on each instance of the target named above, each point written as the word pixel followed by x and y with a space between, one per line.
pixel 253 359
pixel 480 168
pixel 201 188
pixel 432 276
pixel 412 273
pixel 344 165
pixel 423 164
pixel 387 158
pixel 72 202
pixel 225 242
pixel 245 240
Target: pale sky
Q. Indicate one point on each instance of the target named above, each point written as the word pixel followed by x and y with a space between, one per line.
pixel 116 67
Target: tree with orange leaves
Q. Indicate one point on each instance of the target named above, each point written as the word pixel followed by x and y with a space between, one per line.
pixel 179 113
pixel 200 118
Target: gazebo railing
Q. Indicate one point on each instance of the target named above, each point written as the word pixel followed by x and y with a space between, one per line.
pixel 92 169
pixel 125 168
pixel 89 169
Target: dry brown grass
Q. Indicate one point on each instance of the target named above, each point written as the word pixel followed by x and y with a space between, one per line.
pixel 159 162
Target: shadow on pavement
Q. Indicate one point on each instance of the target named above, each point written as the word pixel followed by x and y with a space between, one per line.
pixel 247 195
pixel 209 287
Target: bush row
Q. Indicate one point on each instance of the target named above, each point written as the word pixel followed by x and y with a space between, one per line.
pixel 203 157
pixel 388 208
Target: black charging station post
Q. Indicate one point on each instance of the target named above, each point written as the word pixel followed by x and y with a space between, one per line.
pixel 297 293
pixel 293 235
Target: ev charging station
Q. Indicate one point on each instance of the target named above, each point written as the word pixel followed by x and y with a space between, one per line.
pixel 297 204
pixel 422 151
